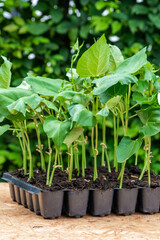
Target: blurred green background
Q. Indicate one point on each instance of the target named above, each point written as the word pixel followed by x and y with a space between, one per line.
pixel 37 37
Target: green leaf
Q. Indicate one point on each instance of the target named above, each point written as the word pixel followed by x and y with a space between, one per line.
pixel 94 61
pixel 21 104
pixel 11 28
pixel 7 97
pixel 4 129
pixel 116 90
pixel 73 135
pixel 44 86
pixel 126 148
pixel 150 117
pixel 150 129
pixel 111 103
pixel 5 73
pixel 81 115
pixel 108 81
pixel 56 130
pixel 140 99
pixel 103 112
pixel 38 28
pixel 134 63
pixel 116 57
pixel 50 105
pixel 155 19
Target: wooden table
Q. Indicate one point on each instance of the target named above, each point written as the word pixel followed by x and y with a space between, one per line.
pixel 18 223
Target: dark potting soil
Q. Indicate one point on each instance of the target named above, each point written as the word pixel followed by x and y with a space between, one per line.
pixel 104 181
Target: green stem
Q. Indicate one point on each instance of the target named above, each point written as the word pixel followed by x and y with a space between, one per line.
pixel 61 160
pixel 71 165
pixel 76 159
pixel 49 161
pixel 83 155
pixel 40 145
pixel 115 164
pixel 30 156
pixel 148 160
pixel 122 174
pixel 136 158
pixel 53 170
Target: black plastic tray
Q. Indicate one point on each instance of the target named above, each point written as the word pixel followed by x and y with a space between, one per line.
pixel 49 204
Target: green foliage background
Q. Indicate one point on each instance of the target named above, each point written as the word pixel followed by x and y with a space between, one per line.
pixel 36 36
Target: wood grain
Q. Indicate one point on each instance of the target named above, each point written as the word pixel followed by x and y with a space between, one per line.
pixel 18 223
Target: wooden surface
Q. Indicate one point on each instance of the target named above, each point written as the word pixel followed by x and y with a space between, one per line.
pixel 18 223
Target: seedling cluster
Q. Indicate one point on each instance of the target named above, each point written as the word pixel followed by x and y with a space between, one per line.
pixel 103 84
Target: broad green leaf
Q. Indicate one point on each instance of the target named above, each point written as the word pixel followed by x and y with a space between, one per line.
pixel 126 148
pixel 103 112
pixel 37 28
pixel 116 57
pixel 11 28
pixel 50 105
pixel 67 94
pixel 134 63
pixel 7 97
pixel 5 73
pixel 110 80
pixel 21 104
pixel 81 115
pixel 140 99
pixel 150 117
pixel 73 135
pixel 111 103
pixel 116 90
pixel 150 129
pixel 56 130
pixel 4 129
pixel 95 61
pixel 44 86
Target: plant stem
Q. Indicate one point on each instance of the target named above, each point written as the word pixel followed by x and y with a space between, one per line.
pixel 95 156
pixel 83 155
pixel 40 145
pixel 53 170
pixel 61 159
pixel 49 161
pixel 148 160
pixel 30 156
pixel 136 158
pixel 122 173
pixel 115 164
pixel 76 159
pixel 104 147
pixel 71 165
pixel 23 147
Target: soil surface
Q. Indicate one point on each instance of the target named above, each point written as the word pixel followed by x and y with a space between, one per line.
pixel 105 180
pixel 19 223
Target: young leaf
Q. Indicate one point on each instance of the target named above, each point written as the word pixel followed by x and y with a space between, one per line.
pixel 150 117
pixel 103 112
pixel 126 148
pixel 50 105
pixel 134 63
pixel 140 99
pixel 94 61
pixel 8 96
pixel 21 104
pixel 116 57
pixel 108 81
pixel 56 129
pixel 5 73
pixel 4 129
pixel 73 135
pixel 111 103
pixel 44 86
pixel 81 115
pixel 116 90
